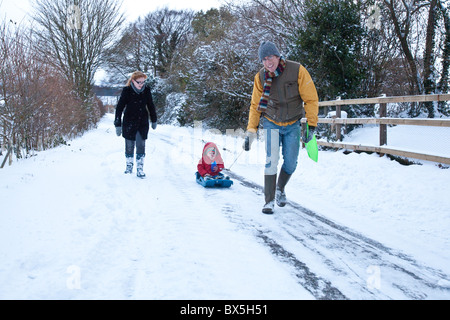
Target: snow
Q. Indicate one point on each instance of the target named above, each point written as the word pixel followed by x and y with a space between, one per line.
pixel 422 139
pixel 73 226
pixel 332 114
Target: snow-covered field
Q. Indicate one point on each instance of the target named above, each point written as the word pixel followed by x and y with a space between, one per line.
pixel 73 226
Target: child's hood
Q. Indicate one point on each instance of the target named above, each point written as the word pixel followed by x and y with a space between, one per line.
pixel 208 147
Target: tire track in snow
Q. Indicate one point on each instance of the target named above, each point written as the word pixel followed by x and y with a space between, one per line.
pixel 352 255
pixel 319 288
pixel 341 263
pixel 214 260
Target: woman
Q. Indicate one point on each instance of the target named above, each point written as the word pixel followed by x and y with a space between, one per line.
pixel 136 100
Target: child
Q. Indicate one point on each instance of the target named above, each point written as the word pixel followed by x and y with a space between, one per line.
pixel 211 163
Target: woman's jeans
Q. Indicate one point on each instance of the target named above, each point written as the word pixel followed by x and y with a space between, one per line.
pixel 286 137
pixel 139 143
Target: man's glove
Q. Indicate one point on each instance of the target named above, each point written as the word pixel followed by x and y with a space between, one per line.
pixel 153 125
pixel 118 131
pixel 308 137
pixel 249 138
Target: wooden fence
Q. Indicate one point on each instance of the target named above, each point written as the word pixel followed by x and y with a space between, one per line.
pixel 383 121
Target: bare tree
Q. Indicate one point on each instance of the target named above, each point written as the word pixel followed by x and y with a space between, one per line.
pixel 408 20
pixel 150 45
pixel 73 34
pixel 443 85
pixel 132 51
pixel 166 31
pixel 277 18
pixel 18 72
pixel 37 106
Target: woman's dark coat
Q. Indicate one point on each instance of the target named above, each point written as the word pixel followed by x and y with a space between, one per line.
pixel 136 115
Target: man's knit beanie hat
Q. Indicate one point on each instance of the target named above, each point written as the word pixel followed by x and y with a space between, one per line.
pixel 266 49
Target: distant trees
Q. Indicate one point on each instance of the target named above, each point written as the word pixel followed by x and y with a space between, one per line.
pixel 329 44
pixel 423 35
pixel 47 72
pixel 131 51
pixel 38 109
pixel 168 30
pixel 351 48
pixel 218 68
pixel 150 44
pixel 74 34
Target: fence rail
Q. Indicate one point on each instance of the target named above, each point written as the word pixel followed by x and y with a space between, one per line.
pixel 383 121
pixel 413 122
pixel 398 99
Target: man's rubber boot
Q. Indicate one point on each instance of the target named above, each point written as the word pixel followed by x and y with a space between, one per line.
pixel 280 194
pixel 270 184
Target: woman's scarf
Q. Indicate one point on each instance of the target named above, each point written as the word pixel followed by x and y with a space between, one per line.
pixel 136 89
pixel 268 77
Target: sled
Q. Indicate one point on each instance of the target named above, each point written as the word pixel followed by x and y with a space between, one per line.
pixel 219 182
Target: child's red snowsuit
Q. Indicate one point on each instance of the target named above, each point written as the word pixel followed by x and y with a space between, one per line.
pixel 208 165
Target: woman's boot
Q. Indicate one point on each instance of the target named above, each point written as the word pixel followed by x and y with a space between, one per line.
pixel 129 160
pixel 140 165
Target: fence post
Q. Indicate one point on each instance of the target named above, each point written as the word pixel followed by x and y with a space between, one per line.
pixel 338 125
pixel 383 127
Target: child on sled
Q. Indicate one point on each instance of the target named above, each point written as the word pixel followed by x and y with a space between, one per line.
pixel 211 163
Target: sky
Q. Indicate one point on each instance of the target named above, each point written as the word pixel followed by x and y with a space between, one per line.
pixel 18 10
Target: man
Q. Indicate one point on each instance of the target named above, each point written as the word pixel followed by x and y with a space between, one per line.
pixel 283 92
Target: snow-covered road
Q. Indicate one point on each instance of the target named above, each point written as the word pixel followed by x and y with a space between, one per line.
pixel 73 226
